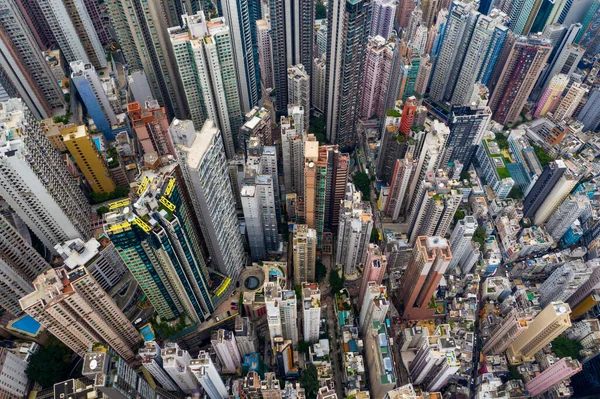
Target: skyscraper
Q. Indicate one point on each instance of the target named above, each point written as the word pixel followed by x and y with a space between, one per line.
pixel 403 175
pixel 265 54
pixel 520 72
pixel 373 269
pixel 89 160
pixel 569 211
pixel 376 83
pixel 409 110
pixel 159 239
pixel 208 376
pixel 20 264
pixel 305 252
pixel 176 362
pixel 37 23
pixel 382 21
pixel 35 182
pixel 151 127
pixel 590 114
pixel 224 345
pixel 141 30
pixel 245 335
pixel 546 326
pixel 292 37
pixel 75 309
pixel 553 375
pixel 405 8
pixel 588 36
pixel 374 306
pixel 292 149
pixel 430 259
pixel 551 95
pixel 13 373
pixel 311 311
pixel 74 31
pixel 318 89
pixel 299 89
pixel 240 17
pixel 282 314
pixel 467 126
pixel 204 55
pixel 204 168
pixel 348 31
pixel 153 362
pixel 24 71
pixel 570 101
pixel 354 233
pixel 460 242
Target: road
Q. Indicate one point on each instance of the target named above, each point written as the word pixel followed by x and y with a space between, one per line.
pixel 335 349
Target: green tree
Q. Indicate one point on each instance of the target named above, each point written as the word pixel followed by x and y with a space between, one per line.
pixel 49 365
pixel 320 11
pixel 310 381
pixel 320 271
pixel 101 211
pixel 565 347
pixel 479 237
pixel 514 374
pixel 374 235
pixel 335 281
pixel 516 192
pixel 541 154
pixel 459 215
pixel 303 347
pixel 362 181
pixel 317 127
pixel 502 141
pixel 298 290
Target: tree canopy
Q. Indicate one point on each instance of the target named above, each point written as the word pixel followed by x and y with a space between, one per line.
pixel 320 11
pixel 362 182
pixel 336 282
pixel 310 381
pixel 516 192
pixel 459 215
pixel 542 155
pixel 479 237
pixel 303 347
pixel 565 347
pixel 374 235
pixel 49 365
pixel 320 271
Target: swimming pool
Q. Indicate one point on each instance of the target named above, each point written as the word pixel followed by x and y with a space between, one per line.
pixel 98 143
pixel 27 324
pixel 147 333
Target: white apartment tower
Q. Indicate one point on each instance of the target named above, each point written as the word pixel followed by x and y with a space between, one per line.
pixel 73 307
pixel 460 242
pixel 204 56
pixel 202 159
pixel 354 232
pixel 207 374
pixel 12 374
pixel 383 17
pixel 564 216
pixel 565 281
pixel 254 224
pixel 304 243
pixel 265 54
pixel 311 308
pixel 282 315
pixel 176 363
pixel 35 182
pixel 570 101
pixel 225 346
pixel 152 361
pixel 318 84
pixel 245 336
pixel 374 307
pixel 292 150
pixel 299 89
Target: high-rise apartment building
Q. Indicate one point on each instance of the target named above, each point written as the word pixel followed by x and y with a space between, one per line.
pixel 423 75
pixel 393 145
pixel 354 233
pixel 588 36
pixel 208 376
pixel 159 239
pixel 15 383
pixel 565 281
pixel 34 17
pixel 547 325
pixel 551 96
pixel 89 87
pixel 570 101
pixel 176 362
pixel 24 72
pixel 567 213
pixel 75 309
pixel 151 127
pixel 292 32
pixel 206 175
pixel 590 114
pixel 205 61
pixel 318 89
pixel 100 258
pixel 89 160
pixel 304 242
pixel 245 335
pixel 430 259
pixel 241 17
pixel 553 375
pixel 467 127
pixel 74 31
pixel 383 18
pixel 508 329
pixel 224 344
pixel 299 89
pixel 374 307
pixel 373 270
pixel 403 12
pixel 378 72
pixel 311 311
pixel 460 243
pixel 20 264
pixel 282 314
pixel 251 205
pixel 397 198
pixel 524 64
pixel 292 150
pixel 348 31
pixel 153 362
pixel 265 54
pixel 141 30
pixel 35 182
